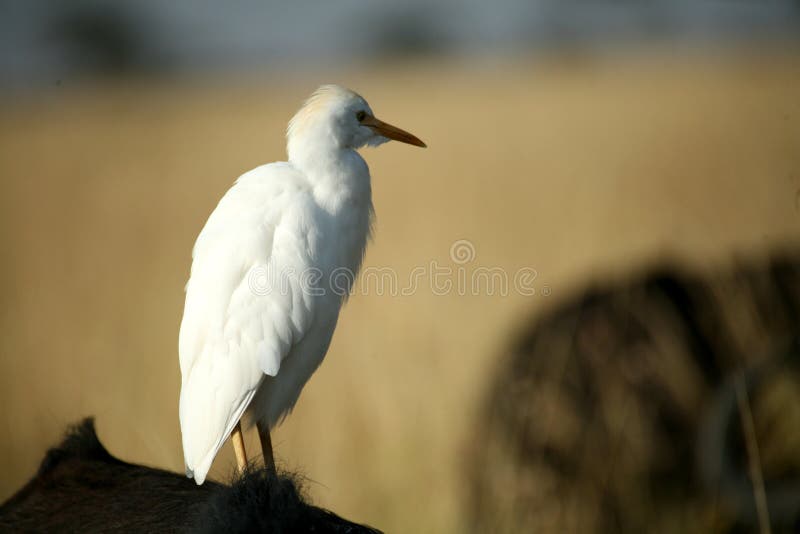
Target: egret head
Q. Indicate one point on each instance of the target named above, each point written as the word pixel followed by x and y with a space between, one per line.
pixel 337 117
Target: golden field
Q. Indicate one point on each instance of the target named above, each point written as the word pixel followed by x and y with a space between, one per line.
pixel 576 168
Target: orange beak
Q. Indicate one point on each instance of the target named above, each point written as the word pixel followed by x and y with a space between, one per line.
pixel 392 132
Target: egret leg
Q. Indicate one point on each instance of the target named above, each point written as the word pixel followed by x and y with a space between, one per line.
pixel 238 447
pixel 266 446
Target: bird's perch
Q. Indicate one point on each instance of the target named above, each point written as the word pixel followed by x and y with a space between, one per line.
pixel 81 487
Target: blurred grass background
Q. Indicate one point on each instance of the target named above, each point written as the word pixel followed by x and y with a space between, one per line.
pixel 575 169
pixel 577 166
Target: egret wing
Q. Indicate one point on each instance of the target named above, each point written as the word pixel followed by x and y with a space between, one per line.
pixel 245 306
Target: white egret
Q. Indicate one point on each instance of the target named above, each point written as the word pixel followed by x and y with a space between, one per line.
pixel 270 271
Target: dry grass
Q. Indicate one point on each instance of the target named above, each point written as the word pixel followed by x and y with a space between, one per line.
pixel 572 169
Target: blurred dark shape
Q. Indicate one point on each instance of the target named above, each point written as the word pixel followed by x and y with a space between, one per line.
pixel 405 33
pixel 189 37
pixel 101 40
pixel 80 487
pixel 617 411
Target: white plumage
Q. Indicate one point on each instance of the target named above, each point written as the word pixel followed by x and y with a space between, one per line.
pixel 261 302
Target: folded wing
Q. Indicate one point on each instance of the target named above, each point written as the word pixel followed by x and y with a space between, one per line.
pixel 245 304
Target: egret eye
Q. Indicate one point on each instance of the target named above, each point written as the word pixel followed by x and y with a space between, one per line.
pixel 361 115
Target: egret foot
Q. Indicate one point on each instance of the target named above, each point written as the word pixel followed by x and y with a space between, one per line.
pixel 238 447
pixel 266 446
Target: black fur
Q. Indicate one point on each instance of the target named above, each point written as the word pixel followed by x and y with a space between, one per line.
pixel 80 487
